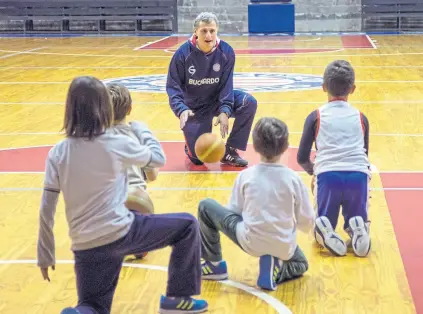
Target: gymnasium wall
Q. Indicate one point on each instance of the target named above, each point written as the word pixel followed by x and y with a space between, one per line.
pixel 311 15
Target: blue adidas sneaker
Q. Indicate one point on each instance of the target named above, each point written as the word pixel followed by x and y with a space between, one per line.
pixel 70 310
pixel 211 272
pixel 270 268
pixel 182 305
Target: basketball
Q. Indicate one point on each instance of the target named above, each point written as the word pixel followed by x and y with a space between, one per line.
pixel 139 200
pixel 209 148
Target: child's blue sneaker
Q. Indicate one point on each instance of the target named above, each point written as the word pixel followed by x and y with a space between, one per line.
pixel 182 305
pixel 70 310
pixel 212 272
pixel 270 268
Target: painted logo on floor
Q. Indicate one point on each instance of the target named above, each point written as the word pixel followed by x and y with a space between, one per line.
pixel 246 81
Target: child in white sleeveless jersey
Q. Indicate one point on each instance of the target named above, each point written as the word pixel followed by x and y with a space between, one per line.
pixel 341 170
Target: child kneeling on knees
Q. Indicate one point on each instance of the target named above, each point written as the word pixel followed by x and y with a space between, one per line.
pixel 341 171
pixel 90 168
pixel 269 202
pixel 138 196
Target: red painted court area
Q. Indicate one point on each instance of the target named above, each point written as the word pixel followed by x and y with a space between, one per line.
pixel 170 44
pixel 32 159
pixel 404 195
pixel 403 192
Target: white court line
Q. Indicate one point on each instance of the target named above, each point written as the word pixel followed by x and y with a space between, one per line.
pixel 402 172
pixel 50 145
pixel 290 55
pixel 86 55
pixel 209 189
pixel 52 44
pixel 179 132
pixel 273 48
pixel 384 102
pixel 292 39
pixel 25 147
pixel 150 43
pixel 31 133
pixel 187 172
pixel 374 169
pixel 68 82
pixel 20 52
pixel 240 67
pixel 271 301
pixel 398 134
pixel 279 55
pixel 371 42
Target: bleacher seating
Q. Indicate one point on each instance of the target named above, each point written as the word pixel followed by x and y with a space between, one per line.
pixel 392 15
pixel 89 16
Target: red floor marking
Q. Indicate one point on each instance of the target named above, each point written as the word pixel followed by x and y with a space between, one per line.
pixel 32 159
pixel 281 51
pixel 402 180
pixel 356 41
pixel 167 43
pixel 260 51
pixel 406 212
pixel 348 41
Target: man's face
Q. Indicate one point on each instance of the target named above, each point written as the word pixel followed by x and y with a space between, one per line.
pixel 206 36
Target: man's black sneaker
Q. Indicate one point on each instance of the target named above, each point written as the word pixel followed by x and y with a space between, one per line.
pixel 232 158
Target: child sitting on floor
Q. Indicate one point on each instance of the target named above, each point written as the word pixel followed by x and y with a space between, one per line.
pixel 269 203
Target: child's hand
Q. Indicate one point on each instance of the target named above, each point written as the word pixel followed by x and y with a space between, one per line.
pixel 44 272
pixel 138 125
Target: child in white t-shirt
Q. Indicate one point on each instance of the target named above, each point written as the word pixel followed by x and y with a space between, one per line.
pixel 269 202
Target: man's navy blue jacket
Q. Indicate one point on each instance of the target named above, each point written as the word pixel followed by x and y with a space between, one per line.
pixel 200 81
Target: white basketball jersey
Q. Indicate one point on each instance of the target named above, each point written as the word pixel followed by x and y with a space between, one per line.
pixel 340 139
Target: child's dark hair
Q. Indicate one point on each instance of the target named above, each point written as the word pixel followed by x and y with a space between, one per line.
pixel 339 78
pixel 88 110
pixel 270 137
pixel 121 100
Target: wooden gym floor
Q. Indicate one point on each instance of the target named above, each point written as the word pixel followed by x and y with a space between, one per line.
pixel 284 74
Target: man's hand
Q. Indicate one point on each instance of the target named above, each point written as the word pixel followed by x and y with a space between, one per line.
pixel 184 117
pixel 44 272
pixel 224 124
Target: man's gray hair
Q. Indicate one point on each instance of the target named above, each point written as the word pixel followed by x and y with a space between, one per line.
pixel 205 17
pixel 339 78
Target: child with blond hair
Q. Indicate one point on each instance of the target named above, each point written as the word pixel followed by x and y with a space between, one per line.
pixel 138 197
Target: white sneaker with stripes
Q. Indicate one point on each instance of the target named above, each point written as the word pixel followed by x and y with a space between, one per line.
pixel 360 238
pixel 328 238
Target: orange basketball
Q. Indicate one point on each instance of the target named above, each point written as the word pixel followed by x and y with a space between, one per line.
pixel 209 148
